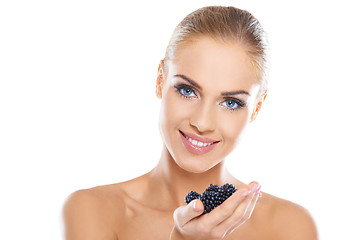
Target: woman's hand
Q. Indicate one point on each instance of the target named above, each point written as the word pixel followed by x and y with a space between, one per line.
pixel 220 222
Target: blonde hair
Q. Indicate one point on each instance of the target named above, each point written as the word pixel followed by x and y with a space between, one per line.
pixel 223 24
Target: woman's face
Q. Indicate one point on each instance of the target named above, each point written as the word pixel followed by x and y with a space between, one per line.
pixel 208 95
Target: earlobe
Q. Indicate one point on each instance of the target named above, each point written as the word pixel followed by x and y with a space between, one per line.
pixel 258 107
pixel 160 80
pixel 254 115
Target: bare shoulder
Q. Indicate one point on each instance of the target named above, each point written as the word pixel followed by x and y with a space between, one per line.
pixel 90 213
pixel 289 220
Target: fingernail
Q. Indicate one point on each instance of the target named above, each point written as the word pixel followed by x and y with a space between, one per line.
pixel 255 187
pixel 193 205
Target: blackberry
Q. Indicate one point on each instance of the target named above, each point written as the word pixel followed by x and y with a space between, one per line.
pixel 191 196
pixel 213 196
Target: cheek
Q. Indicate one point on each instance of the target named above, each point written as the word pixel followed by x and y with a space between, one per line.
pixel 170 108
pixel 232 127
pixel 172 111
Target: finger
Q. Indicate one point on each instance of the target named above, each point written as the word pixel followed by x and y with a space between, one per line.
pixel 226 209
pixel 251 206
pixel 251 201
pixel 241 214
pixel 185 213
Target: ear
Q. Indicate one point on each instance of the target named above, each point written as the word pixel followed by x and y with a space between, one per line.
pixel 258 107
pixel 160 80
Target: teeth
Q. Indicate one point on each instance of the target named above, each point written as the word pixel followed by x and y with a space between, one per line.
pixel 197 143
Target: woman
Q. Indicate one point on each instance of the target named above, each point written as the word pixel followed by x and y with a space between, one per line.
pixel 211 84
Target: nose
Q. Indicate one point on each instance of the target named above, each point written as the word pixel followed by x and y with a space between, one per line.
pixel 203 118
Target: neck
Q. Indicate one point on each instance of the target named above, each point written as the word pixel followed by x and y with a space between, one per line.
pixel 174 182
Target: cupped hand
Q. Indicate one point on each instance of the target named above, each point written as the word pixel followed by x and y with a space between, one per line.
pixel 223 220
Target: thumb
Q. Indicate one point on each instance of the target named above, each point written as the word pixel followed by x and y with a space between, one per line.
pixel 185 213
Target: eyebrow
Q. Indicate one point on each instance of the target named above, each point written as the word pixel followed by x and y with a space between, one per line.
pixel 192 82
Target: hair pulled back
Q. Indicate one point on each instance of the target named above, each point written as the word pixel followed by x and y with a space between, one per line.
pixel 227 24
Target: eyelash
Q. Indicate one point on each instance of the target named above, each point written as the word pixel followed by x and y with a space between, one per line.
pixel 180 87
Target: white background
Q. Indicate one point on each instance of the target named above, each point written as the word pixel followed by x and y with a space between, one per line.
pixel 78 108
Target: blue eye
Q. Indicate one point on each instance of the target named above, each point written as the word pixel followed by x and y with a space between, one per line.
pixel 233 104
pixel 186 91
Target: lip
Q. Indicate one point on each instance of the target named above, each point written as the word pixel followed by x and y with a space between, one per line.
pixel 198 138
pixel 196 149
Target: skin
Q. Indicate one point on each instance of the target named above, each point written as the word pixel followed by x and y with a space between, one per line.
pixel 152 205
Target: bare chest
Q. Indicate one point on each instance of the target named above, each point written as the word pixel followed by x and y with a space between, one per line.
pixel 146 225
pixel 143 227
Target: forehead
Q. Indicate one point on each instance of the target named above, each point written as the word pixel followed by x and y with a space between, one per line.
pixel 225 65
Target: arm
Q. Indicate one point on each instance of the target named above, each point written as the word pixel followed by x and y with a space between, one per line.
pixel 84 217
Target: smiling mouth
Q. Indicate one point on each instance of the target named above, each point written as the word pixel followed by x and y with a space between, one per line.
pixel 197 142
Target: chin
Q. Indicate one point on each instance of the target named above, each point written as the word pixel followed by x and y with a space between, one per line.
pixel 194 166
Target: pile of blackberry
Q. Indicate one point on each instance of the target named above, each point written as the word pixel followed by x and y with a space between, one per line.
pixel 213 196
